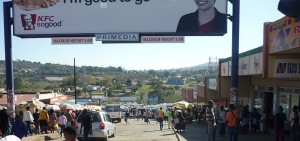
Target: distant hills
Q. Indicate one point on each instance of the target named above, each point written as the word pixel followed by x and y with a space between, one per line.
pixel 22 64
pixel 193 68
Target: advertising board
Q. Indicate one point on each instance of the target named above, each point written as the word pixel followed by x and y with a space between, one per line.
pixel 71 40
pixel 244 65
pixel 62 18
pixel 117 37
pixel 162 39
pixel 287 68
pixel 256 63
pixel 283 34
pixel 224 69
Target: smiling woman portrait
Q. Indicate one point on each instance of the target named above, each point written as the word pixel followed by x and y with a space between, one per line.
pixel 206 19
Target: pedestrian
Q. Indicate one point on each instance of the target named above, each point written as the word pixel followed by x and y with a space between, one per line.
pixel 62 121
pixel 161 115
pixel 255 116
pixel 155 116
pixel 139 113
pixel 148 116
pixel 36 116
pixel 44 117
pixel 73 116
pixel 53 119
pixel 69 117
pixel 179 121
pixel 232 123
pixel 70 133
pixel 28 119
pixel 211 121
pixel 222 121
pixel 18 128
pixel 280 118
pixel 86 124
pixel 245 119
pixel 4 118
pixel 295 123
pixel 169 114
pixel 127 116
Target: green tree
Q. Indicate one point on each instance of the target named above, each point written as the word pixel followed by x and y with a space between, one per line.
pixel 128 82
pixel 151 72
pixel 89 80
pixel 18 82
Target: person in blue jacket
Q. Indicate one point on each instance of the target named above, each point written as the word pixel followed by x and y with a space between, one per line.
pixel 19 128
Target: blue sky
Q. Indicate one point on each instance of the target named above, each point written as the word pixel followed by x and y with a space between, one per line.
pixel 195 50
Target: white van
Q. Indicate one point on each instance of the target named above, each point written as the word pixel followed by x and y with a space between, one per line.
pixel 102 126
pixel 114 111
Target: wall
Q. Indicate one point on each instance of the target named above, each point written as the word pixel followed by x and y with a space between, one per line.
pixel 244 87
pixel 273 82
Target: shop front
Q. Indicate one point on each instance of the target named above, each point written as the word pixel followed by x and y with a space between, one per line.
pixel 288 97
pixel 282 74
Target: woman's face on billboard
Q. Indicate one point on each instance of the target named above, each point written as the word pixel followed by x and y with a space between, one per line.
pixel 205 4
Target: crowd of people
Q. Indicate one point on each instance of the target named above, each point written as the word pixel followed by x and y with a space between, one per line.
pixel 242 121
pixel 42 121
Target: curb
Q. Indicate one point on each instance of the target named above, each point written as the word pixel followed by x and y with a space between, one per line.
pixel 177 136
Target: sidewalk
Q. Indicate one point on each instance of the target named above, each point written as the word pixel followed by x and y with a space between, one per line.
pixel 194 132
pixel 44 137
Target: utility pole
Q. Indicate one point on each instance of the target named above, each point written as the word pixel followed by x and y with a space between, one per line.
pixel 8 58
pixel 235 19
pixel 75 82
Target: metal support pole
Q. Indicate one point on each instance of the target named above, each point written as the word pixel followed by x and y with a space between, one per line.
pixel 75 82
pixel 235 52
pixel 8 58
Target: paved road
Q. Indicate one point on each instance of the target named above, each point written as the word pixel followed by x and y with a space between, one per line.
pixel 134 131
pixel 140 131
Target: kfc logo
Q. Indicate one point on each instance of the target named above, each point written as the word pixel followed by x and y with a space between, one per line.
pixel 28 21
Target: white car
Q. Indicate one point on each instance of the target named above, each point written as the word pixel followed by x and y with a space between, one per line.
pixel 102 126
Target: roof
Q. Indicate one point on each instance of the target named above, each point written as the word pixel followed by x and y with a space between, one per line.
pixel 244 54
pixel 21 98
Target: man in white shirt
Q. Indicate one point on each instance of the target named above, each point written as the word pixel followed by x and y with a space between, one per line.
pixel 222 121
pixel 62 121
pixel 28 119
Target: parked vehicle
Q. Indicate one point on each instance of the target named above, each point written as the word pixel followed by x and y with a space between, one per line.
pixel 114 111
pixel 102 126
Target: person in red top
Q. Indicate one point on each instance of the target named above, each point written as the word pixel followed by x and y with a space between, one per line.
pixel 232 123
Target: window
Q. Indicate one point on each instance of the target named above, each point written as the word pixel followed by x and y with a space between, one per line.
pixel 113 108
pixel 107 118
pixel 94 115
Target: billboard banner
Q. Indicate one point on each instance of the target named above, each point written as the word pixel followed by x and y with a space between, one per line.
pixel 287 68
pixel 117 37
pixel 212 83
pixel 62 18
pixel 283 34
pixel 71 40
pixel 162 39
pixel 224 69
pixel 244 65
pixel 256 63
